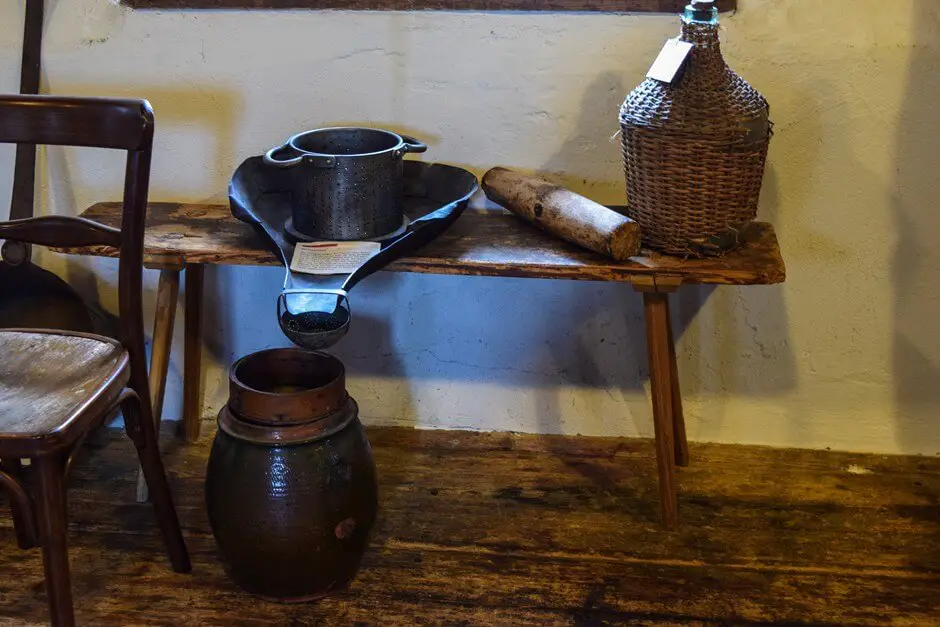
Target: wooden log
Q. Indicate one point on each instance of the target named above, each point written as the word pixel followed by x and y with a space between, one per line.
pixel 568 215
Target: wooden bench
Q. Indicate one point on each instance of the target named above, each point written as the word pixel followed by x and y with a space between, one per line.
pixel 186 237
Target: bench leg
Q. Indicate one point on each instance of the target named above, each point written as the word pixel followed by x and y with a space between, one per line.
pixel 192 359
pixel 678 420
pixel 164 319
pixel 656 310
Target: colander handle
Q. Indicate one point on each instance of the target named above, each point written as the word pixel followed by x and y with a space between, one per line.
pixel 411 145
pixel 319 161
pixel 282 163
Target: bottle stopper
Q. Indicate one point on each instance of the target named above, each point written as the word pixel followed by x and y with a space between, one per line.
pixel 701 10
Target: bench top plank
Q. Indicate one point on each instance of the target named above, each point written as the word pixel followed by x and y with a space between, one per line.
pixel 483 242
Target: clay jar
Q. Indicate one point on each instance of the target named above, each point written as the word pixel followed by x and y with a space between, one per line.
pixel 290 486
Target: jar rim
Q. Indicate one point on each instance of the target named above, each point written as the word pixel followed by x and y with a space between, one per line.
pixel 286 386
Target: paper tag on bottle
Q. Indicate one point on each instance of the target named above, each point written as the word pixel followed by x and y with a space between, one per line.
pixel 332 257
pixel 670 60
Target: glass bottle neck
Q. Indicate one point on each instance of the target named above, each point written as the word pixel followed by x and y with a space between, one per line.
pixel 702 33
pixel 700 13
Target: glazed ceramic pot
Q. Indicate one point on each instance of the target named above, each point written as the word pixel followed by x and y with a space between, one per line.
pixel 290 486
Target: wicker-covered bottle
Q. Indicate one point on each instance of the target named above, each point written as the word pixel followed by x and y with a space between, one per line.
pixel 694 149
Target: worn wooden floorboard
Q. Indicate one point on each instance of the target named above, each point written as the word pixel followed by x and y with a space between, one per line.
pixel 501 529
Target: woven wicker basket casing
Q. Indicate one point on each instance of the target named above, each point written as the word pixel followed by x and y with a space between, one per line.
pixel 694 152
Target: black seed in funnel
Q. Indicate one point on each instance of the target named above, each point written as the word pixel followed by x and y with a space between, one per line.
pixel 315 321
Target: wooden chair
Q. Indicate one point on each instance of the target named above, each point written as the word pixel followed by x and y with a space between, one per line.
pixel 55 387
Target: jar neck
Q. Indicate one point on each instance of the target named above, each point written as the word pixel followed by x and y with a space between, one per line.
pixel 701 34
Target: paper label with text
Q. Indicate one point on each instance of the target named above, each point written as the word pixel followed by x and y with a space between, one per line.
pixel 670 60
pixel 332 257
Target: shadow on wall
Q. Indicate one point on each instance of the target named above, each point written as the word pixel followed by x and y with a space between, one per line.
pixel 589 161
pixel 527 335
pixel 742 347
pixel 539 335
pixel 185 120
pixel 181 114
pixel 916 263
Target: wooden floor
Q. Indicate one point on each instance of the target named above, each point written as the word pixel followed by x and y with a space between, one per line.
pixel 499 529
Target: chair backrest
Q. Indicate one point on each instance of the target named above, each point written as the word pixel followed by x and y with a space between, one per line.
pixel 121 124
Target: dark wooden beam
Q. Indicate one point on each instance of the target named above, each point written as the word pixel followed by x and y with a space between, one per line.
pixel 610 6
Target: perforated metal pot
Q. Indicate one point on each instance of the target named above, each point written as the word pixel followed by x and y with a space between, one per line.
pixel 347 182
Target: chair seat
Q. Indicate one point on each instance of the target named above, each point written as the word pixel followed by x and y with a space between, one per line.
pixel 50 380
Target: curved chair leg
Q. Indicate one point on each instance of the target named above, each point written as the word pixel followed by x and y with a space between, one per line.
pixel 20 505
pixel 53 530
pixel 144 435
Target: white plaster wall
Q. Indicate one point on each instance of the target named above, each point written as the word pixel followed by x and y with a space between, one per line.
pixel 845 355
